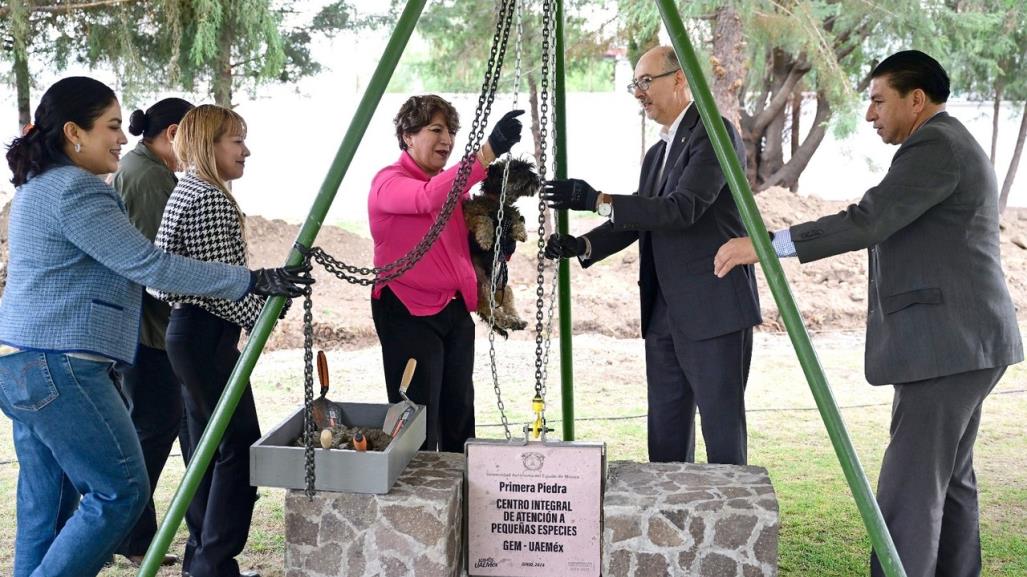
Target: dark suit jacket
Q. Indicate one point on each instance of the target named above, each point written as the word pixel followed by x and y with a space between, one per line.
pixel 938 302
pixel 680 222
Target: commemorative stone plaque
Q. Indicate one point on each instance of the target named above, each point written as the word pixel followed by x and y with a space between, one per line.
pixel 534 510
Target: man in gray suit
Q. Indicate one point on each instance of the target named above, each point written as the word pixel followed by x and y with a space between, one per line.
pixel 697 328
pixel 940 326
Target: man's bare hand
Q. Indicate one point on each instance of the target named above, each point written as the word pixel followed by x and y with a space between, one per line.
pixel 735 252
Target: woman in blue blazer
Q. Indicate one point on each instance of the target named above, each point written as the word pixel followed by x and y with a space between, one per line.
pixel 71 308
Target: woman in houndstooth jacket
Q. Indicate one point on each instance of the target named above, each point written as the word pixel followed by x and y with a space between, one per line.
pixel 203 221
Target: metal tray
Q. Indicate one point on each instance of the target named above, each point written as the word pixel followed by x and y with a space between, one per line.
pixel 274 462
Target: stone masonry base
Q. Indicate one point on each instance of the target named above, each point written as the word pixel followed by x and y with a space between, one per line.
pixel 661 519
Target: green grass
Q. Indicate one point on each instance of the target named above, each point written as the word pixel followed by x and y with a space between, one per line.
pixel 821 531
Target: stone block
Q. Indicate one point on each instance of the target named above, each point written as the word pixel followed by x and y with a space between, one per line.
pixel 413 531
pixel 679 519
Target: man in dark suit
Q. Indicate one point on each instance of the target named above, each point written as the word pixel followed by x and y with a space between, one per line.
pixel 697 328
pixel 940 326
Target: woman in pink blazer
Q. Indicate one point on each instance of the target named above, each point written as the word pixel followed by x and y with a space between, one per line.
pixel 425 313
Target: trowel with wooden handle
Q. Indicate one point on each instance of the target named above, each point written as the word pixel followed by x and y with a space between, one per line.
pixel 326 413
pixel 400 413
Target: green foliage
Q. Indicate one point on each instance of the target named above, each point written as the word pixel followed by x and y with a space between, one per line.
pixel 457 36
pixel 197 45
pixel 987 40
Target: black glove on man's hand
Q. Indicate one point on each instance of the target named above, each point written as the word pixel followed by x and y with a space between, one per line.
pixel 573 193
pixel 283 282
pixel 506 133
pixel 564 246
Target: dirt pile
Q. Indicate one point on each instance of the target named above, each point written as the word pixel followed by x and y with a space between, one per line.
pixel 830 293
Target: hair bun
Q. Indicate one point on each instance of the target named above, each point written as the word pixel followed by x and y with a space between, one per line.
pixel 137 123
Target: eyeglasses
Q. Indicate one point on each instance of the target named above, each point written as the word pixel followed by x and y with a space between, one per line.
pixel 645 82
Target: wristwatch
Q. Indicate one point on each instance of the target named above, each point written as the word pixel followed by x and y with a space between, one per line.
pixel 604 208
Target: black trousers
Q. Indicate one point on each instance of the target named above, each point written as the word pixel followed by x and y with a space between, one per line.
pixel 927 489
pixel 203 350
pixel 443 345
pixel 154 398
pixel 683 374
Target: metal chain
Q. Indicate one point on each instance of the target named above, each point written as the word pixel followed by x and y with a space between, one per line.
pixel 308 390
pixel 497 245
pixel 547 24
pixel 486 97
pixel 554 265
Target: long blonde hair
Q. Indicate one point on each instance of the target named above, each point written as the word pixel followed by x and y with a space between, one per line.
pixel 201 128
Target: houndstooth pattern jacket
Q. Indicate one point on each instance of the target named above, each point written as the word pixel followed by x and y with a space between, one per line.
pixel 201 222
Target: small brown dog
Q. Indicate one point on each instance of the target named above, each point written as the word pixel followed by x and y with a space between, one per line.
pixel 481 214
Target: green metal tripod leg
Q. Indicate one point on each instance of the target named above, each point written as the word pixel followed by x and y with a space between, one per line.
pixel 240 377
pixel 563 270
pixel 880 538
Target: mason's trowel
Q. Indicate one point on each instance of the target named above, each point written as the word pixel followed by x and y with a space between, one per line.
pixel 400 413
pixel 327 413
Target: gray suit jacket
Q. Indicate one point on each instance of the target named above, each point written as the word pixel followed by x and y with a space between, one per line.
pixel 680 221
pixel 938 302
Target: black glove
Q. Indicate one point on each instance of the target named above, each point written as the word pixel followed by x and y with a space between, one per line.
pixel 564 246
pixel 573 193
pixel 506 133
pixel 284 282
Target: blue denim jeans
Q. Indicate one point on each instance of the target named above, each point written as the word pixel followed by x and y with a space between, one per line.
pixel 73 437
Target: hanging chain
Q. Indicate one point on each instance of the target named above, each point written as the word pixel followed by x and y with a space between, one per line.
pixel 547 31
pixel 308 389
pixel 496 245
pixel 554 265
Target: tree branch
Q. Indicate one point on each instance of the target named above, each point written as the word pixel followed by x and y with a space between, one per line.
pixel 780 99
pixel 56 8
pixel 797 163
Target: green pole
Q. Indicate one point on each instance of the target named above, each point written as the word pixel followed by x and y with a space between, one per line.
pixel 239 379
pixel 564 270
pixel 880 538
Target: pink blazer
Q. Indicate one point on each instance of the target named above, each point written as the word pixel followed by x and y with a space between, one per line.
pixel 401 207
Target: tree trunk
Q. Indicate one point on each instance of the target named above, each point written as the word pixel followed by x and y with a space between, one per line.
pixel 771 159
pixel 994 119
pixel 789 173
pixel 536 129
pixel 729 62
pixel 794 139
pixel 22 81
pixel 1014 163
pixel 222 80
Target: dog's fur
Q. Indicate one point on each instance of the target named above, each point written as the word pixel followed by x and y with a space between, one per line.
pixel 481 213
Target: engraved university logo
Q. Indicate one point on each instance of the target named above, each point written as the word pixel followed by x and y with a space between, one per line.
pixel 485 562
pixel 533 461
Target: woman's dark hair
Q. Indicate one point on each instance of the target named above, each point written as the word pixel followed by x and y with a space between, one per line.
pixel 417 112
pixel 912 69
pixel 77 99
pixel 158 117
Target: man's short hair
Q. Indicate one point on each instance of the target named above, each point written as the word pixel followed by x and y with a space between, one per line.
pixel 912 69
pixel 670 59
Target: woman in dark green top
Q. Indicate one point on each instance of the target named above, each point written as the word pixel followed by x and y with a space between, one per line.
pixel 145 179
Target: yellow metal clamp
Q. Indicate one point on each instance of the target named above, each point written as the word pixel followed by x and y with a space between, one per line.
pixel 538 406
